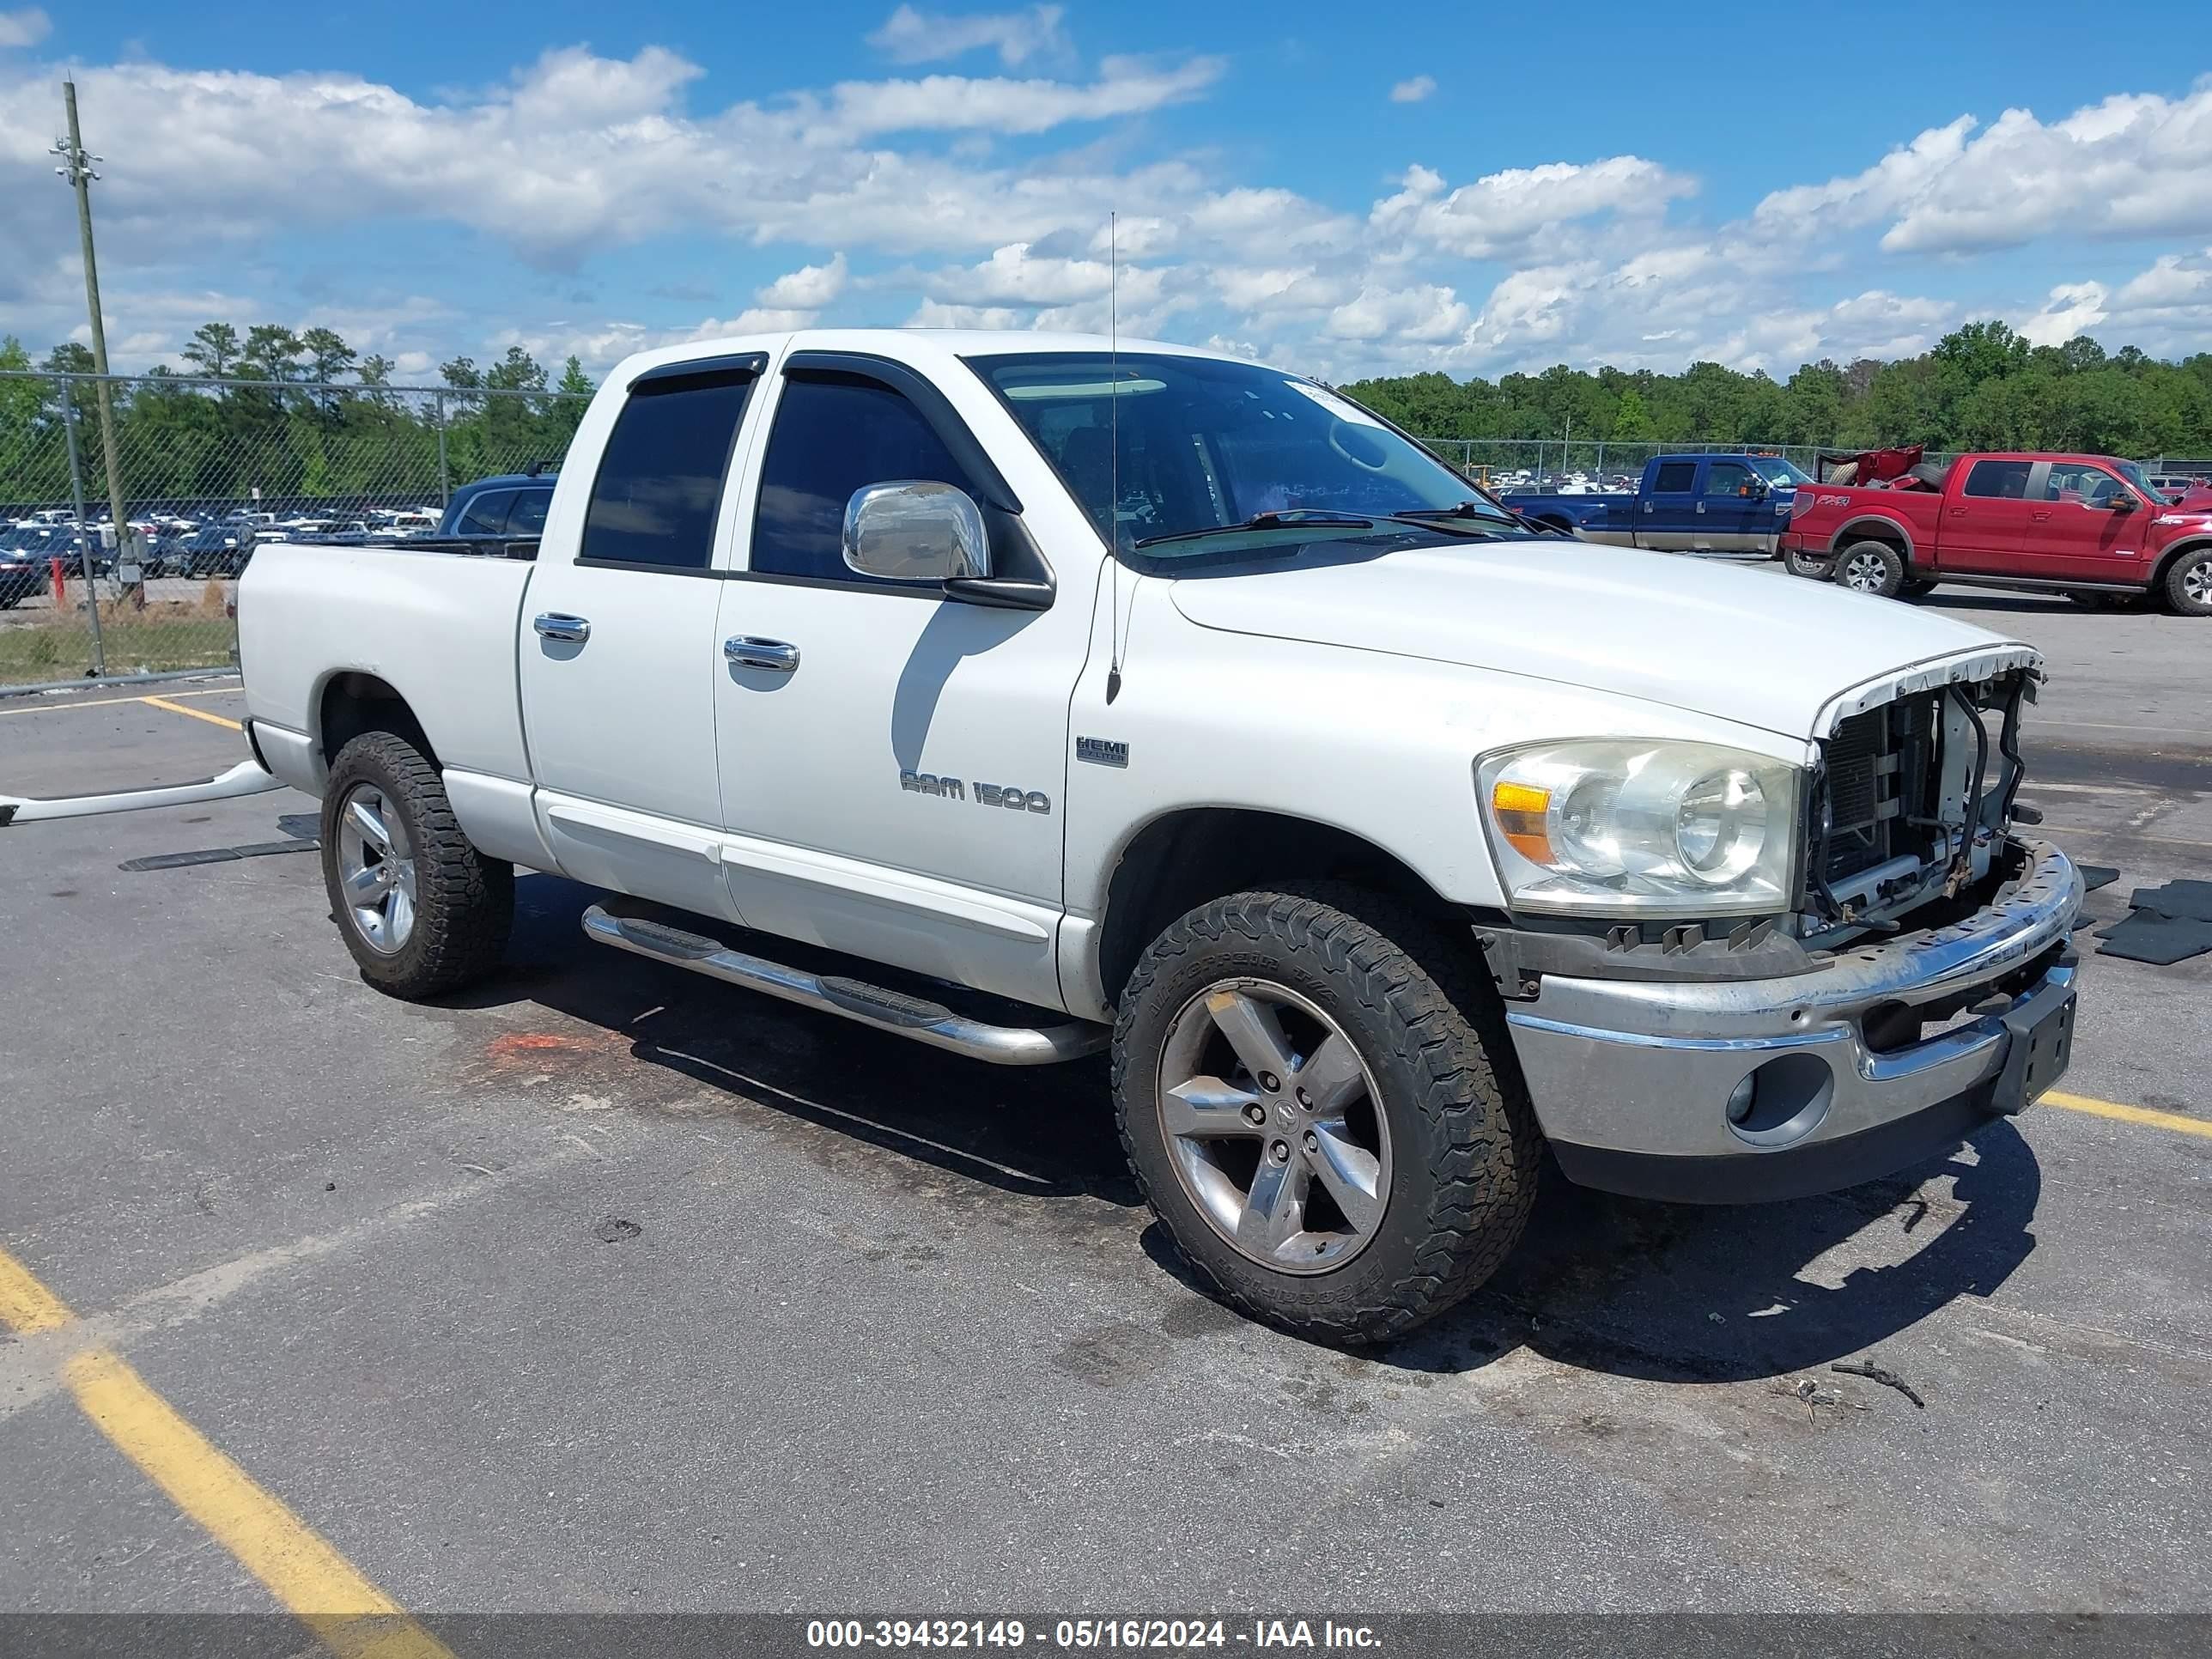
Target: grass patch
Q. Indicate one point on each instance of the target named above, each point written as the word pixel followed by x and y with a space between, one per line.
pixel 166 635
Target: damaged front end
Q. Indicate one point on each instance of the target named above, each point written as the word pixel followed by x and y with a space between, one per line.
pixel 1912 800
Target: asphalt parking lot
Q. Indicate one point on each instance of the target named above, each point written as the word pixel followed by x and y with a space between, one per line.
pixel 603 1289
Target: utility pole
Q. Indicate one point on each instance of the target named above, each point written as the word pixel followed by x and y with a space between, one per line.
pixel 76 171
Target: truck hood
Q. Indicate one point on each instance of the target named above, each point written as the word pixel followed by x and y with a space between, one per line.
pixel 1756 647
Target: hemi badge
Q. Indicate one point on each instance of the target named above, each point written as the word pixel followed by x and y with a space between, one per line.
pixel 1102 751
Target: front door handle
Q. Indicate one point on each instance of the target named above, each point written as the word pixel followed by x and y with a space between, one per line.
pixel 558 625
pixel 749 652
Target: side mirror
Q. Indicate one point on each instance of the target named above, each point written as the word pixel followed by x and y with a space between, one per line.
pixel 1757 490
pixel 2122 501
pixel 915 531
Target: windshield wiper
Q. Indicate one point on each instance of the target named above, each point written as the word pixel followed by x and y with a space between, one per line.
pixel 1464 510
pixel 1289 517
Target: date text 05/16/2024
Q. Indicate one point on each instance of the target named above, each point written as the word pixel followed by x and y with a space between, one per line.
pixel 1083 1635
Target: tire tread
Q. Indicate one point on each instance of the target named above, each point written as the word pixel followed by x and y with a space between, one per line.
pixel 464 901
pixel 1484 1152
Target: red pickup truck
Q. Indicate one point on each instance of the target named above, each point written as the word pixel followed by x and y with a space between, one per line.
pixel 2088 526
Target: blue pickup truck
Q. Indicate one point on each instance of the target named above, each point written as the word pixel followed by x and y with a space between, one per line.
pixel 1685 503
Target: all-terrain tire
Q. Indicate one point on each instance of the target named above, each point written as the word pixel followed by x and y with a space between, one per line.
pixel 1812 567
pixel 464 901
pixel 2189 583
pixel 1465 1149
pixel 1855 569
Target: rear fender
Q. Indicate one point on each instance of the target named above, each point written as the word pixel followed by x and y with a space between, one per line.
pixel 1875 527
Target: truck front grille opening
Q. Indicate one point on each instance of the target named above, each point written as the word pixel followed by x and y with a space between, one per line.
pixel 1883 778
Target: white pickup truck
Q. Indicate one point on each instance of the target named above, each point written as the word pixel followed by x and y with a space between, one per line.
pixel 1144 699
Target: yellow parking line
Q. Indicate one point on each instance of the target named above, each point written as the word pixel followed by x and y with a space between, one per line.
pixel 323 1590
pixel 2179 1121
pixel 196 713
pixel 26 1306
pixel 34 707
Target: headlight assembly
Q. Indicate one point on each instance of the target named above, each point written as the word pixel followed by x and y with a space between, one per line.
pixel 1642 828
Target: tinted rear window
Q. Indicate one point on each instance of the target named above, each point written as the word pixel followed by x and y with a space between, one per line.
pixel 660 480
pixel 486 514
pixel 527 516
pixel 2000 480
pixel 1675 475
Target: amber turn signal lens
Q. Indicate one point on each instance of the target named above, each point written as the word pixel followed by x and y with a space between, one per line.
pixel 1521 809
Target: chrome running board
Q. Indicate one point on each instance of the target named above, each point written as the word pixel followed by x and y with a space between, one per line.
pixel 870 1004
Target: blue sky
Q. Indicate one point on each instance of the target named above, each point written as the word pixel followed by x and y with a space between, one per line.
pixel 1340 190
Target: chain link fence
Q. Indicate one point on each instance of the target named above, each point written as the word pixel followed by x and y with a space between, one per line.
pixel 1553 463
pixel 205 471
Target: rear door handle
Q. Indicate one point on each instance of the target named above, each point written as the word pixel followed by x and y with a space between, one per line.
pixel 747 651
pixel 558 625
pixel 2040 518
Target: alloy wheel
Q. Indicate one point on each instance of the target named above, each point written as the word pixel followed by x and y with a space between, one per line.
pixel 1274 1126
pixel 1865 573
pixel 376 870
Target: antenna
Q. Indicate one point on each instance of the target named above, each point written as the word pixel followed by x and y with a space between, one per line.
pixel 1114 450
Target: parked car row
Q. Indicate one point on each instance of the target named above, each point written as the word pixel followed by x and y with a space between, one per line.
pixel 506 507
pixel 28 550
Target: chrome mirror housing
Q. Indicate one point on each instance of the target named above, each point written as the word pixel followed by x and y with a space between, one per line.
pixel 912 531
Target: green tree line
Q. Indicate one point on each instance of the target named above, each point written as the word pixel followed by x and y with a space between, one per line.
pixel 308 418
pixel 1982 386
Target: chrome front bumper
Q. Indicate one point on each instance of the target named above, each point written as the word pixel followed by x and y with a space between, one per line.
pixel 1631 1080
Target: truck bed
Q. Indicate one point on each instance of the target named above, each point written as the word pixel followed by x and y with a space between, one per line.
pixel 1602 516
pixel 444 638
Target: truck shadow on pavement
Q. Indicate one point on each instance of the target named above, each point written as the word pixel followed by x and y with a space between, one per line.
pixel 1981 599
pixel 1675 1293
pixel 1685 1293
pixel 1036 1132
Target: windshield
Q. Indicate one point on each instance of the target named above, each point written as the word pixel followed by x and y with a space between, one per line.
pixel 1198 449
pixel 1777 471
pixel 2133 472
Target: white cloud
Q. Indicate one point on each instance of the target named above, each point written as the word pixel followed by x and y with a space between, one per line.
pixel 2136 164
pixel 1014 274
pixel 1427 314
pixel 1499 213
pixel 2165 308
pixel 23 27
pixel 1866 198
pixel 919 37
pixel 983 201
pixel 1413 91
pixel 1276 290
pixel 808 289
pixel 2072 309
pixel 952 103
pixel 578 153
pixel 936 313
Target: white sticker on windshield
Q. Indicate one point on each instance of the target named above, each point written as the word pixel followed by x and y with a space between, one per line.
pixel 1338 406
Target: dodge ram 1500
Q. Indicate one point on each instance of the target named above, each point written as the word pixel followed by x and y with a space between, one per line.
pixel 1203 717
